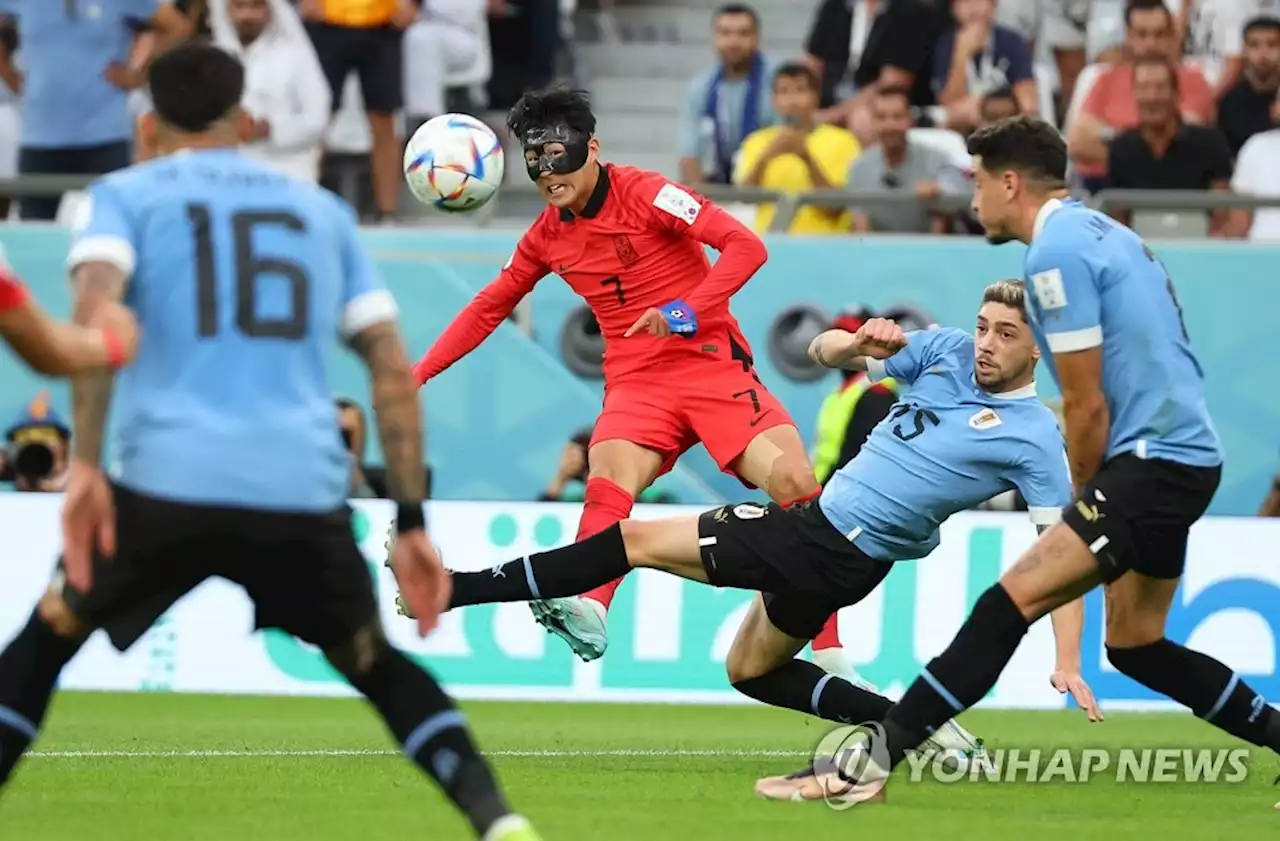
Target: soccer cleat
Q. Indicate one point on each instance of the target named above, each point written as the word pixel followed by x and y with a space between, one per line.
pixel 822 781
pixel 402 608
pixel 578 621
pixel 835 662
pixel 961 748
pixel 511 828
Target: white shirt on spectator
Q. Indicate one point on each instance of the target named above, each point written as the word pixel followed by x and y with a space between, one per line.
pixel 284 85
pixel 1215 30
pixel 1258 174
pixel 446 38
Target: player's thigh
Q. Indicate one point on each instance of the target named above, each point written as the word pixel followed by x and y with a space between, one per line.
pixel 775 460
pixel 727 408
pixel 637 437
pixel 163 551
pixel 381 63
pixel 671 545
pixel 761 645
pixel 1136 514
pixel 1056 569
pixel 307 576
pixel 1137 608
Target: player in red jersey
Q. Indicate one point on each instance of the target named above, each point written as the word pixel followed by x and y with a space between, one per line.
pixel 677 368
pixel 53 348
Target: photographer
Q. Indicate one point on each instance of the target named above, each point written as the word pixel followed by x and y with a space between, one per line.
pixel 35 456
pixel 367 481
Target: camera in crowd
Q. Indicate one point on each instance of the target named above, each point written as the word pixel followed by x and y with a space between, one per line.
pixel 36 445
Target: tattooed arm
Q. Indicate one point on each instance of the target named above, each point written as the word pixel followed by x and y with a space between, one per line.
pixel 99 288
pixel 395 402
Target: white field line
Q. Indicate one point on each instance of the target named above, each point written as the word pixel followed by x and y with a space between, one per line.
pixel 530 754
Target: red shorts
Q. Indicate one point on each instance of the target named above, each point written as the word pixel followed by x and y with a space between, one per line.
pixel 715 401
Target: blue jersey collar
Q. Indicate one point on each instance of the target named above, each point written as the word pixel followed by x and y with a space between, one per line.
pixel 1043 216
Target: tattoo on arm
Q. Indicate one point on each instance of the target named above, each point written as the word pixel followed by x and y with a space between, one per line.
pixel 395 402
pixel 95 284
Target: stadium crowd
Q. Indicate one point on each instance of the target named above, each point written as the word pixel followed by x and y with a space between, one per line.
pixel 1151 96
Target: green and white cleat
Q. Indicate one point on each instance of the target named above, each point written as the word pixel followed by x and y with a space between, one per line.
pixel 962 748
pixel 576 620
pixel 402 608
pixel 512 828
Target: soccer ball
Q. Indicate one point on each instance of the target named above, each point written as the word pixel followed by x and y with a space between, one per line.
pixel 453 163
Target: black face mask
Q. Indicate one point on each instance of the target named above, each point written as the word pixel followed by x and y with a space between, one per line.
pixel 537 160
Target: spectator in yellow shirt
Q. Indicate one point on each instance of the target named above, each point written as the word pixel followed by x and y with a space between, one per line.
pixel 798 155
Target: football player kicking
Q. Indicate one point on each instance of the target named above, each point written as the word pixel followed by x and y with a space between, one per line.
pixel 971 428
pixel 677 368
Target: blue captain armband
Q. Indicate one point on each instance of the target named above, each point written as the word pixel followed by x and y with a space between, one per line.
pixel 681 320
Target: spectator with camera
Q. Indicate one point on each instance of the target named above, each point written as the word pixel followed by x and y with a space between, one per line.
pixel 367 481
pixel 35 456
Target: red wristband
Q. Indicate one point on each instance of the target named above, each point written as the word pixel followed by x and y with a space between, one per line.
pixel 115 349
pixel 13 293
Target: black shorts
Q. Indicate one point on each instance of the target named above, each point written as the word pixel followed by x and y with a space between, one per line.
pixel 1136 514
pixel 805 567
pixel 305 573
pixel 376 55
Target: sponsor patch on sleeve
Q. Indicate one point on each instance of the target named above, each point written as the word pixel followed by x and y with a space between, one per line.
pixel 1051 292
pixel 671 199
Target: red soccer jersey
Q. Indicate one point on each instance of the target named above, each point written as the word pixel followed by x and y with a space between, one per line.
pixel 637 244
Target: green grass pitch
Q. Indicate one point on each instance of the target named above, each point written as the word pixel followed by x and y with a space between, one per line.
pixel 190 768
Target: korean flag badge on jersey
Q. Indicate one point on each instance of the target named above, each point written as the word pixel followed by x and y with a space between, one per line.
pixel 671 199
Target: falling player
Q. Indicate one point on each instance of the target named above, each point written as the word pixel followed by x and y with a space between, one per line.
pixel 1145 458
pixel 677 368
pixel 230 460
pixel 971 428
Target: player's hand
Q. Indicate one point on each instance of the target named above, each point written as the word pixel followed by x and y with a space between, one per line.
pixel 675 317
pixel 88 523
pixel 425 585
pixel 1065 680
pixel 880 338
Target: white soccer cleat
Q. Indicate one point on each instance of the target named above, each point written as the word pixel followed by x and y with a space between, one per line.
pixel 834 661
pixel 511 828
pixel 578 621
pixel 962 748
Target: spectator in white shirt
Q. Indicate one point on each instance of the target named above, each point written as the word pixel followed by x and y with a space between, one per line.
pixel 1258 173
pixel 285 89
pixel 446 38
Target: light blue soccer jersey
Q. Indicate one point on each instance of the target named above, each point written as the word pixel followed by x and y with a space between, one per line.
pixel 947 446
pixel 242 280
pixel 1091 281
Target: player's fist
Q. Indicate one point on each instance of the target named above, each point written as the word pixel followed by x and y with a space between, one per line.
pixel 880 338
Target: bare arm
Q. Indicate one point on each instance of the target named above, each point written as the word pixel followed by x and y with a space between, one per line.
pixel 1068 628
pixel 838 349
pixel 395 403
pixel 1086 139
pixel 1088 420
pixel 56 349
pixel 1024 93
pixel 99 288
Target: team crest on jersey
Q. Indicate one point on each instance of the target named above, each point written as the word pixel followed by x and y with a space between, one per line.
pixel 749 511
pixel 626 252
pixel 985 419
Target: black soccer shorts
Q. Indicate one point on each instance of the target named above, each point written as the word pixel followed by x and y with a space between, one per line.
pixel 805 567
pixel 304 572
pixel 1136 514
pixel 376 55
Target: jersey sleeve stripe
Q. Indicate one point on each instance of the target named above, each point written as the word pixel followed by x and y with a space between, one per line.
pixel 104 249
pixel 1044 516
pixel 1074 340
pixel 364 311
pixel 876 370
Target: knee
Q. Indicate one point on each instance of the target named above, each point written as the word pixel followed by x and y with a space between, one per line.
pixel 743 663
pixel 57 614
pixel 792 479
pixel 359 655
pixel 639 539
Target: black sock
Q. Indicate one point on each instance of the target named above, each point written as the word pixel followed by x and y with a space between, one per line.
pixel 434 735
pixel 1210 689
pixel 806 687
pixel 961 676
pixel 29 670
pixel 568 571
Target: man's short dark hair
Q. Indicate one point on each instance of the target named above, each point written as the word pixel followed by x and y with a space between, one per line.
pixel 1161 63
pixel 557 104
pixel 1027 145
pixel 796 70
pixel 1144 6
pixel 1262 23
pixel 194 85
pixel 894 90
pixel 738 9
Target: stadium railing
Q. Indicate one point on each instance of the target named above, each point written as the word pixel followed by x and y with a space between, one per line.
pixel 519 199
